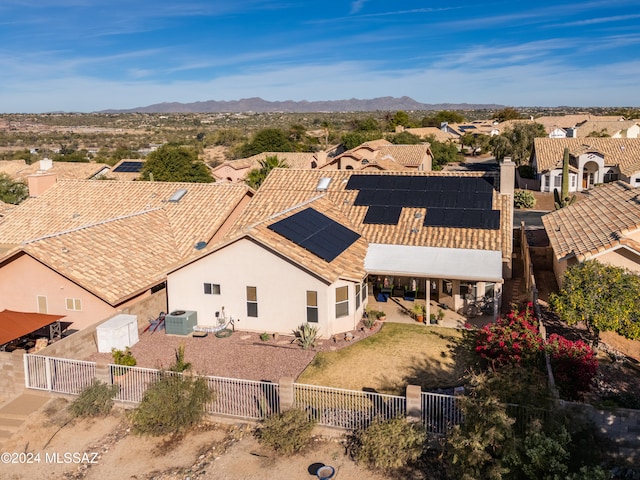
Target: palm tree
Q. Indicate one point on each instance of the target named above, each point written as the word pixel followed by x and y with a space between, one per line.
pixel 256 176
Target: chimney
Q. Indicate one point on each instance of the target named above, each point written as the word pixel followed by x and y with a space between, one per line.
pixel 46 164
pixel 507 176
pixel 321 157
pixel 40 183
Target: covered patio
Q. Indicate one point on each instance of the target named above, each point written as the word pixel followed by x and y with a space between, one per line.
pixel 445 280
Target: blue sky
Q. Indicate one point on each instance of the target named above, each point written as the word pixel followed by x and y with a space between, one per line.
pixel 89 55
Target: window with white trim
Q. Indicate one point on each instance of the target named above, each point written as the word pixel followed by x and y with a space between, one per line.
pixel 364 290
pixel 252 301
pixel 74 304
pixel 557 181
pixel 342 301
pixel 212 289
pixel 358 287
pixel 312 306
pixel 573 180
pixel 42 304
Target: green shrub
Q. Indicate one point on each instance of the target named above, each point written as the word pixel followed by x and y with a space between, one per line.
pixel 125 357
pixel 95 400
pixel 172 404
pixel 288 432
pixel 387 444
pixel 265 336
pixel 180 365
pixel 523 199
pixel 306 336
pixel 526 171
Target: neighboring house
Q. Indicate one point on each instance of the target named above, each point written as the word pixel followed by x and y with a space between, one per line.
pixel 20 171
pixel 126 170
pixel 89 249
pixel 312 244
pixel 478 127
pixel 603 226
pixel 237 170
pixel 385 155
pixel 612 128
pixel 592 161
pixel 427 132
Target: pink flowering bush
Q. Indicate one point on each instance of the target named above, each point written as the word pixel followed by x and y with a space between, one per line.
pixel 512 340
pixel 574 365
pixel 516 340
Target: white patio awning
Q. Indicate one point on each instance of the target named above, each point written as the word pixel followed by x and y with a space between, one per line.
pixel 434 262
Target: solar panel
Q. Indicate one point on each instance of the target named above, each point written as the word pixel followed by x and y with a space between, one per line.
pixel 129 167
pixel 461 218
pixel 382 215
pixel 316 233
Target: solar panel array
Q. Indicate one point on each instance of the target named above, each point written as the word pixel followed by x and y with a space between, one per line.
pixel 129 167
pixel 458 202
pixel 316 233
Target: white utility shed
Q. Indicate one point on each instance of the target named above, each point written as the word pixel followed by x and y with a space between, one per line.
pixel 118 332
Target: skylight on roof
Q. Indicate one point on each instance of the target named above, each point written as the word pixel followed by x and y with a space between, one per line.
pixel 323 184
pixel 178 195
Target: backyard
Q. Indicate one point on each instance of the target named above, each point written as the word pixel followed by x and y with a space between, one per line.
pixel 398 355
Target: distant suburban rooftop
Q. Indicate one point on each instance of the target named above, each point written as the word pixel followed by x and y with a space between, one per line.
pixel 19 170
pixel 596 223
pixel 621 152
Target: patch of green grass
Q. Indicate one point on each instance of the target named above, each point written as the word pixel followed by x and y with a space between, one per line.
pixel 399 354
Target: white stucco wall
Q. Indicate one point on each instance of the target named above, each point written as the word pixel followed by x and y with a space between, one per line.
pixel 281 291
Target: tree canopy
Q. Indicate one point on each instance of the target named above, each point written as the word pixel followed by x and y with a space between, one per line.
pixel 404 138
pixel 443 153
pixel 12 192
pixel 448 116
pixel 256 176
pixel 604 297
pixel 268 140
pixel 517 142
pixel 174 163
pixel 508 113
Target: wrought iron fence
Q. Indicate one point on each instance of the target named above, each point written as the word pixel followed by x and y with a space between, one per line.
pixel 60 375
pixel 348 409
pixel 440 412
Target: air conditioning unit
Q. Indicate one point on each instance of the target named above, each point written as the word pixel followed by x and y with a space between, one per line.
pixel 180 322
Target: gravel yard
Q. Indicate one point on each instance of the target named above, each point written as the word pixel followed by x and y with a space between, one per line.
pixel 243 355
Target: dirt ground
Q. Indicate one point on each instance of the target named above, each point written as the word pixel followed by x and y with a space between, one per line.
pixel 106 448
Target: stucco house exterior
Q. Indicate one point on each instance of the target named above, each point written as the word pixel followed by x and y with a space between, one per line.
pixel 592 161
pixel 89 249
pixel 407 231
pixel 603 226
pixel 237 170
pixel 385 155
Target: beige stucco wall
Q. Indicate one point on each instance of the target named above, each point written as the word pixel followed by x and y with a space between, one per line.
pixel 281 291
pixel 621 257
pixel 225 172
pixel 559 267
pixel 24 279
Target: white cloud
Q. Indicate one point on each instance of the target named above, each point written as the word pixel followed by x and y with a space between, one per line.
pixel 357 5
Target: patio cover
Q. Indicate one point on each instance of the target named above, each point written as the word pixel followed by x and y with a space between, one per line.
pixel 434 262
pixel 14 325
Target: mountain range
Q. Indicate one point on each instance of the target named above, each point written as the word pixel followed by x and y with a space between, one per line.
pixel 290 106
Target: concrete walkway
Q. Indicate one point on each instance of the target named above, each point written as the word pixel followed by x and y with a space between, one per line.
pixel 15 412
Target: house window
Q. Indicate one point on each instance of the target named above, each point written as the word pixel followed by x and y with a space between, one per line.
pixel 211 289
pixel 342 301
pixel 252 302
pixel 74 304
pixel 312 306
pixel 364 290
pixel 42 304
pixel 358 296
pixel 573 180
pixel 557 181
pixel 610 177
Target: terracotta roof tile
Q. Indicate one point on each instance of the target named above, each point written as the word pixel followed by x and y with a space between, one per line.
pixel 596 223
pixel 621 152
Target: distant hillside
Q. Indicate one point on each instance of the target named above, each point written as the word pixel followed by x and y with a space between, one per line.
pixel 261 106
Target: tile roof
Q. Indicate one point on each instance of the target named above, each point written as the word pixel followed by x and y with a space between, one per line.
pixel 435 131
pixel 403 155
pixel 611 127
pixel 621 152
pixel 19 170
pixel 293 159
pixel 348 265
pixel 596 223
pixel 87 230
pixel 285 188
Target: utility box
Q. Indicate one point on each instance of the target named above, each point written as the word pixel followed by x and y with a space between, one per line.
pixel 180 322
pixel 118 332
